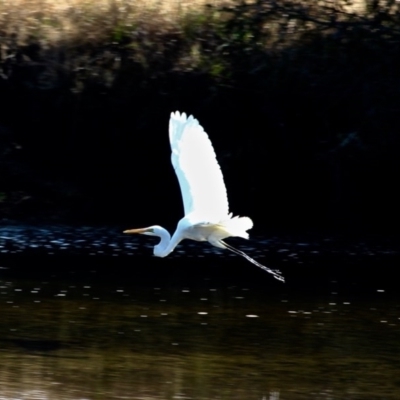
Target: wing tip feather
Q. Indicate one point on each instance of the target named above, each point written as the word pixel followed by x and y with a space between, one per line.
pixel 183 117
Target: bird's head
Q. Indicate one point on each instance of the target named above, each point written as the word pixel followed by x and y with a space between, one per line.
pixel 150 231
pixel 155 230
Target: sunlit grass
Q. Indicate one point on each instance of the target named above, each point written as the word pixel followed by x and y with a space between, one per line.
pixel 54 20
pixel 69 30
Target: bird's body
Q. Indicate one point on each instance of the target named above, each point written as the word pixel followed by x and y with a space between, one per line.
pixel 204 195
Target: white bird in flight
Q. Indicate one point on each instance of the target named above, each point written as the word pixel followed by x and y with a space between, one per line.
pixel 204 196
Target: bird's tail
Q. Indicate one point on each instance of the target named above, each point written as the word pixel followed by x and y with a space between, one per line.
pixel 237 226
pixel 275 273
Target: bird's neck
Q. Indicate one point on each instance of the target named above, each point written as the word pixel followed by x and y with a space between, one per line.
pixel 166 244
pixel 161 249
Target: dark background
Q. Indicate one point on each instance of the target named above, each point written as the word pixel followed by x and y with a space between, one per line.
pixel 305 121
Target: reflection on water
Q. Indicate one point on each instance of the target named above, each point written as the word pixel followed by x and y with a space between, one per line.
pixel 64 339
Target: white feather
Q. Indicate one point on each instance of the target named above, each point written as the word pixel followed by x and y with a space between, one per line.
pixel 199 174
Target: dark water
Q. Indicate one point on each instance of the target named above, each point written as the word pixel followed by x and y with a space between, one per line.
pixel 90 321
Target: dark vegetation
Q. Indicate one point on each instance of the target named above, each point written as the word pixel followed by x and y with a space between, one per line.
pixel 302 103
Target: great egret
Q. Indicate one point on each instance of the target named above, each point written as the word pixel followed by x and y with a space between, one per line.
pixel 205 201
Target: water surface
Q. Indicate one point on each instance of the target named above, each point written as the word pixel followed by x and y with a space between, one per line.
pixel 91 327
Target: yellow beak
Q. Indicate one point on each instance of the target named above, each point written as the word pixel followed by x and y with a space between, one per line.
pixel 140 230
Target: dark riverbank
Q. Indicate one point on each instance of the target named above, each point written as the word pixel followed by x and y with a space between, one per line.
pixel 310 263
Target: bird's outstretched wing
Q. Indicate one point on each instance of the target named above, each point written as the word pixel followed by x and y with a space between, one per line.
pixel 199 174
